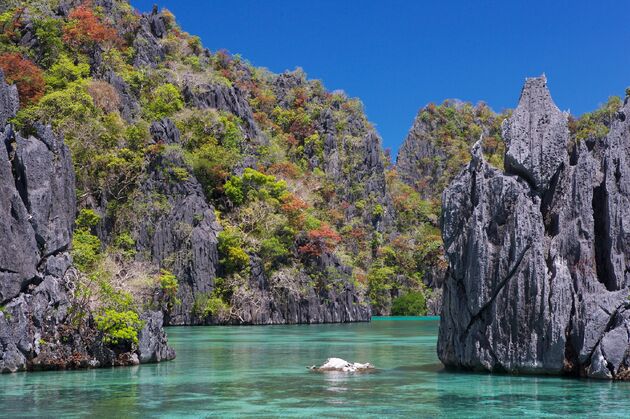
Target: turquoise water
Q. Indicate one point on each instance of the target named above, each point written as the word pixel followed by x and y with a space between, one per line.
pixel 260 371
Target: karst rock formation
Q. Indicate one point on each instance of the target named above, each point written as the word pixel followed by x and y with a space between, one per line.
pixel 539 255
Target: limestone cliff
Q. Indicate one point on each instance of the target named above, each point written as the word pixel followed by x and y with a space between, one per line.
pixel 538 255
pixel 37 213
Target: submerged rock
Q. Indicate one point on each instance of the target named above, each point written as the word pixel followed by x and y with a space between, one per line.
pixel 538 279
pixel 340 365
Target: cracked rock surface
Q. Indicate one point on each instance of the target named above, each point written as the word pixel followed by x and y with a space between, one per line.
pixel 539 271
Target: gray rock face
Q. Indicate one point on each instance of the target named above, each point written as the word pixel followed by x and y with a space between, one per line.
pixel 45 178
pixel 151 338
pixel 149 51
pixel 360 173
pixel 418 154
pixel 157 23
pixel 288 297
pixel 426 158
pixel 179 233
pixel 8 101
pixel 37 211
pixel 226 98
pixel 129 106
pixel 536 282
pixel 536 136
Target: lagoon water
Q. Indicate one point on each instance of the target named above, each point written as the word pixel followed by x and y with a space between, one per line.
pixel 260 371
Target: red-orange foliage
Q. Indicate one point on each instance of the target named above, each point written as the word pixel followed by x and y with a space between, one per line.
pixel 223 59
pixel 226 73
pixel 335 215
pixel 402 244
pixel 358 233
pixel 301 96
pixel 266 100
pixel 301 129
pixel 362 278
pixel 327 191
pixel 262 119
pixel 84 29
pixel 291 140
pixel 401 201
pixel 25 75
pixel 292 204
pixel 285 169
pixel 294 208
pixel 322 239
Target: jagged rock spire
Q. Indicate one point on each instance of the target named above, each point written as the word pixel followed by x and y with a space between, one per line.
pixel 536 136
pixel 538 282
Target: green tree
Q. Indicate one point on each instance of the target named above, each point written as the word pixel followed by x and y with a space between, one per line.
pixel 411 304
pixel 164 102
pixel 379 285
pixel 119 327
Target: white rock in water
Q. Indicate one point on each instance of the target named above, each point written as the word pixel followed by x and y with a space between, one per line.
pixel 338 364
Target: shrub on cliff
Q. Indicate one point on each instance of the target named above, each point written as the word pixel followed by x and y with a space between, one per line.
pixel 379 281
pixel 163 102
pixel 85 30
pixel 254 185
pixel 233 256
pixel 86 247
pixel 25 75
pixel 119 327
pixel 65 71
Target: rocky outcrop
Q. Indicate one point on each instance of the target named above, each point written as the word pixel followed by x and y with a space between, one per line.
pixel 151 339
pixel 178 230
pixel 149 51
pixel 537 279
pixel 37 210
pixel 229 99
pixel 341 365
pixel 536 136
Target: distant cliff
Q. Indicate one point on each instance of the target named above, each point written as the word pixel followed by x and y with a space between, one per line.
pixel 538 254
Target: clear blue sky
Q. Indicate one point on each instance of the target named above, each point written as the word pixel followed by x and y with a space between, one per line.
pixel 397 56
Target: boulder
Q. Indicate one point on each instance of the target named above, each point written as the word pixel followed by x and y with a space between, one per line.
pixel 152 343
pixel 340 365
